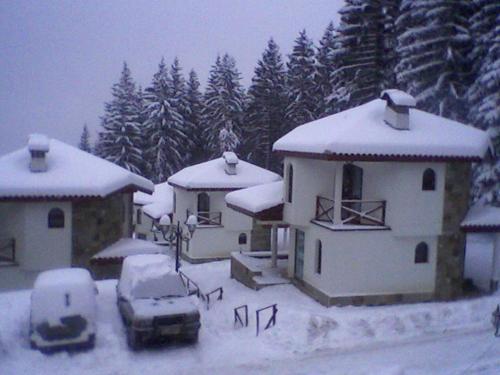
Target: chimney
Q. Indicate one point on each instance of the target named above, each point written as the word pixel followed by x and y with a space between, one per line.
pixel 397 110
pixel 231 160
pixel 38 146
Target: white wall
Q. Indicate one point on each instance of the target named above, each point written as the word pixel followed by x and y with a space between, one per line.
pixel 481 265
pixel 45 247
pixel 145 226
pixel 208 241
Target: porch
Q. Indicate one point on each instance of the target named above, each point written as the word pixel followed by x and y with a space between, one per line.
pixel 255 271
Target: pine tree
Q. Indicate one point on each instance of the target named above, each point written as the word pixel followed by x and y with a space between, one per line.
pixel 364 51
pixel 302 93
pixel 433 45
pixel 194 108
pixel 85 140
pixel 265 116
pixel 224 106
pixel 484 95
pixel 325 65
pixel 164 126
pixel 119 142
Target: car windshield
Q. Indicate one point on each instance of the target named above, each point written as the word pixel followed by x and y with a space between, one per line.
pixel 159 287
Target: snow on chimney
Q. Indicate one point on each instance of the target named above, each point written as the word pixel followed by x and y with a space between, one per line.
pixel 38 146
pixel 231 160
pixel 397 110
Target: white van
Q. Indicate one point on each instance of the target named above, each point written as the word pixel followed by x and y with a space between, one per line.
pixel 63 310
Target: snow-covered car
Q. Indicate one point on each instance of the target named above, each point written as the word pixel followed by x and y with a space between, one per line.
pixel 154 302
pixel 63 310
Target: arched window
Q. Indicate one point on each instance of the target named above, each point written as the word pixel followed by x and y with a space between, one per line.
pixel 319 250
pixel 203 202
pixel 138 216
pixel 56 218
pixel 290 184
pixel 422 253
pixel 429 180
pixel 242 239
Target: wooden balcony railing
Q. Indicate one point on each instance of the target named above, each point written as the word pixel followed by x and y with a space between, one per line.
pixel 7 251
pixel 352 211
pixel 208 217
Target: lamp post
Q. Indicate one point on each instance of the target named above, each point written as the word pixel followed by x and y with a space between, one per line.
pixel 172 232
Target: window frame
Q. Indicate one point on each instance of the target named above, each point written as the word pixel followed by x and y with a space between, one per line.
pixel 421 253
pixel 429 180
pixel 318 257
pixel 56 218
pixel 240 236
pixel 289 193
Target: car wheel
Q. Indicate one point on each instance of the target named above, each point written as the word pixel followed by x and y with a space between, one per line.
pixel 133 339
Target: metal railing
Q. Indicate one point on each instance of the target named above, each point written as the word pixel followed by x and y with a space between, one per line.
pixel 352 211
pixel 8 250
pixel 238 319
pixel 207 217
pixel 272 320
pixel 206 297
pixel 191 286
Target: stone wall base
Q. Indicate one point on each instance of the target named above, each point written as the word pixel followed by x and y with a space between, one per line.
pixel 187 258
pixel 380 299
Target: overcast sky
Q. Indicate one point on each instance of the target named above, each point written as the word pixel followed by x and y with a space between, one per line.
pixel 58 59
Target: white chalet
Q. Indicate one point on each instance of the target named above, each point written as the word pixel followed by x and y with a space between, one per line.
pixel 374 197
pixel 59 206
pixel 200 189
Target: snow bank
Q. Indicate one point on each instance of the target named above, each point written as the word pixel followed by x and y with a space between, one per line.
pixel 212 175
pixel 362 131
pixel 70 172
pixel 257 198
pixel 128 246
pixel 482 216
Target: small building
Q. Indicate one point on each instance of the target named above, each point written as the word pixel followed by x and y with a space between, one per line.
pixel 59 206
pixel 374 197
pixel 149 208
pixel 200 190
pixel 482 254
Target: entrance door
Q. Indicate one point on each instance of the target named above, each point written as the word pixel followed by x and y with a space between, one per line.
pixel 352 189
pixel 299 254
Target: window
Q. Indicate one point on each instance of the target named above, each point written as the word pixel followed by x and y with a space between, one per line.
pixel 175 203
pixel 319 250
pixel 142 236
pixel 290 184
pixel 429 180
pixel 138 216
pixel 242 239
pixel 56 218
pixel 203 202
pixel 422 253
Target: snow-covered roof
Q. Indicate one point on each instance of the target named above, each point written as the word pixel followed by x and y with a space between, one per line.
pixel 160 203
pixel 399 97
pixel 71 172
pixel 360 133
pixel 128 246
pixel 257 198
pixel 482 218
pixel 211 175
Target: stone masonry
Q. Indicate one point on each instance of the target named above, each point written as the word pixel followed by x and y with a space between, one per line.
pixel 451 243
pixel 97 223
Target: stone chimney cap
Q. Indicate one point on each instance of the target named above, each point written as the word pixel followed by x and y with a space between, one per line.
pixel 38 142
pixel 230 157
pixel 398 98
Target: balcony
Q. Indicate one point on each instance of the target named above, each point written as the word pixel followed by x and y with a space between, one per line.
pixel 354 213
pixel 208 218
pixel 8 252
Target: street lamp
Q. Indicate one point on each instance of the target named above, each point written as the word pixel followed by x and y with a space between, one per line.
pixel 172 232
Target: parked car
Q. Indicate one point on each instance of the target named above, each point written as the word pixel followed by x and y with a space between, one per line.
pixel 154 302
pixel 63 310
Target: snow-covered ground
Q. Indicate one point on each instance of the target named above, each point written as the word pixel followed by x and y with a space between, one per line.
pixel 429 338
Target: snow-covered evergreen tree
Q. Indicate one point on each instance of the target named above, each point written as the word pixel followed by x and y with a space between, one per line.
pixel 325 65
pixel 267 101
pixel 228 140
pixel 194 99
pixel 164 126
pixel 364 51
pixel 85 140
pixel 302 93
pixel 119 141
pixel 224 101
pixel 433 47
pixel 484 94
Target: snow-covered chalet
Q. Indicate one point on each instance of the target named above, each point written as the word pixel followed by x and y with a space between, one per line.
pixel 200 190
pixel 58 207
pixel 373 197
